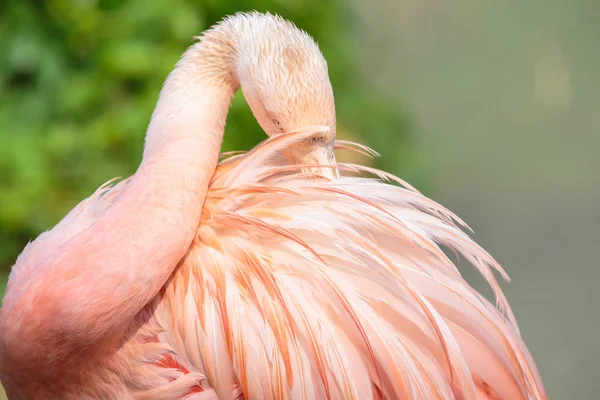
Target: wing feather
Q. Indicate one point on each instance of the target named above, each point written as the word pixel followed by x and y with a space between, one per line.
pixel 315 289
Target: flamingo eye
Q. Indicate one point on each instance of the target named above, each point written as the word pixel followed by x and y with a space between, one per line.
pixel 316 139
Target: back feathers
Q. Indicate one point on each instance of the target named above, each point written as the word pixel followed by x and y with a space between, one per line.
pixel 309 289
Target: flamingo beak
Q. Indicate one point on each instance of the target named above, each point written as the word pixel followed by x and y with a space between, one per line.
pixel 314 153
pixel 320 161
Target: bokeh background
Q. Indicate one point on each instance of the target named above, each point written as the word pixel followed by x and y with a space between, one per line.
pixel 490 107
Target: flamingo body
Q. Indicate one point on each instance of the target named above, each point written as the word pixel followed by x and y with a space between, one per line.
pixel 256 278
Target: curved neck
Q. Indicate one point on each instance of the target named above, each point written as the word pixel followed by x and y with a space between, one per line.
pixel 195 99
pixel 156 217
pixel 109 271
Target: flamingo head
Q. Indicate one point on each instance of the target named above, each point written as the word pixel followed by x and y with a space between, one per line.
pixel 285 81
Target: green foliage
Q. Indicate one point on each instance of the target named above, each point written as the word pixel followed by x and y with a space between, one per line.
pixel 79 79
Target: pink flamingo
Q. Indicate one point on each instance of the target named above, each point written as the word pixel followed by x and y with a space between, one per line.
pixel 264 276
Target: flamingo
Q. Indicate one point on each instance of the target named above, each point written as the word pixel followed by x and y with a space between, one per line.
pixel 272 274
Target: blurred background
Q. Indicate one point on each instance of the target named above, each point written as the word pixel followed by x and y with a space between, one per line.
pixel 491 108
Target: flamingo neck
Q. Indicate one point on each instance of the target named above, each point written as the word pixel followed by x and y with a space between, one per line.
pixel 108 272
pixel 159 211
pixel 194 101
